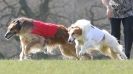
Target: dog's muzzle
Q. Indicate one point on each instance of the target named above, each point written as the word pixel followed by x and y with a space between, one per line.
pixel 8 35
pixel 71 41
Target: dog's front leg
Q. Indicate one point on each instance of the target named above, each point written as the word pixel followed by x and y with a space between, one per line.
pixel 21 56
pixel 78 47
pixel 28 47
pixel 84 49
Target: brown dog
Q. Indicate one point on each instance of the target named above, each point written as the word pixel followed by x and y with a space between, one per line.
pixel 37 34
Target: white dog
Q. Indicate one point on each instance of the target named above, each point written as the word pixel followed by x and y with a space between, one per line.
pixel 87 36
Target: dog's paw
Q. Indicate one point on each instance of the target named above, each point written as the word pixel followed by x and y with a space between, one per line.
pixel 81 53
pixel 77 54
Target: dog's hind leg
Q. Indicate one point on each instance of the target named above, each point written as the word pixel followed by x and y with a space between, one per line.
pixel 68 50
pixel 122 55
pixel 115 47
pixel 118 53
pixel 115 55
pixel 110 52
pixel 104 49
pixel 86 56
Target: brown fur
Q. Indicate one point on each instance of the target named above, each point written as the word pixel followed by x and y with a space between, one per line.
pixel 29 40
pixel 76 31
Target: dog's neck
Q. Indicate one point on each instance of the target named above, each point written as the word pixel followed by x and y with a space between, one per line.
pixel 80 39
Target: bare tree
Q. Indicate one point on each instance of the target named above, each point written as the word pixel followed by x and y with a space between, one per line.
pixel 43 8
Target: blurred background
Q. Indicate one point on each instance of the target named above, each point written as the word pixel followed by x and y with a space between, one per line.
pixel 55 11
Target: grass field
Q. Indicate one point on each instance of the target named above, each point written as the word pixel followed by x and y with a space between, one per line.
pixel 66 67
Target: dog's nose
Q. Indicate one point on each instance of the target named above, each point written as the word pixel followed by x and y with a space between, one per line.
pixel 69 41
pixel 5 36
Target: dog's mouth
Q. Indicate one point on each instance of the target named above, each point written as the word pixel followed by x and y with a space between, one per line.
pixel 71 41
pixel 9 35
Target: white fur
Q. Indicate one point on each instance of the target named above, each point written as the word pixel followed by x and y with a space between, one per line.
pixel 92 37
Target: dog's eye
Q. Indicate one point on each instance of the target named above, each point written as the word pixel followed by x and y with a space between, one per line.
pixel 14 21
pixel 73 33
pixel 11 29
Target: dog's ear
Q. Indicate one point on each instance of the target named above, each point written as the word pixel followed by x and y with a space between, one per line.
pixel 18 25
pixel 78 30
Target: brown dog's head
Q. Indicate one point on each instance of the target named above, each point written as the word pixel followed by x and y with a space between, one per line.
pixel 16 26
pixel 13 28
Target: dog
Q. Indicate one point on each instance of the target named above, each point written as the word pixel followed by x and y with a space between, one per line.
pixel 87 37
pixel 35 34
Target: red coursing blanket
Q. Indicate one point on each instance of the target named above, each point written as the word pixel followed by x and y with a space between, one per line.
pixel 44 29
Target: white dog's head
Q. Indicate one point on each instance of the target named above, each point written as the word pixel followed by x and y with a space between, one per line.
pixel 76 29
pixel 74 33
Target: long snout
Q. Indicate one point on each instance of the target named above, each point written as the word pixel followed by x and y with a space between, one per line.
pixel 71 40
pixel 8 35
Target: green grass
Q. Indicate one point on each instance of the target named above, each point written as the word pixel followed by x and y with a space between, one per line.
pixel 66 67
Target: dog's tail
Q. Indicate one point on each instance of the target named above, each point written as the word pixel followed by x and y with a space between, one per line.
pixel 118 48
pixel 122 54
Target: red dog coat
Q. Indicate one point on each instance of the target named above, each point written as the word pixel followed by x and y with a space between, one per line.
pixel 44 29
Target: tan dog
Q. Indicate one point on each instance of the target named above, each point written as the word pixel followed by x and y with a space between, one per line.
pixel 32 37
